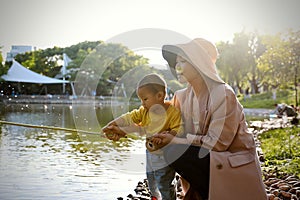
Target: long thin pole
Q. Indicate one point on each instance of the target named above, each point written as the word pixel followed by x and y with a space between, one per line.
pixel 50 127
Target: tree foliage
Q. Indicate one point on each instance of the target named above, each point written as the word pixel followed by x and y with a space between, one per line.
pixel 251 63
pixel 1 58
pixel 3 68
pixel 104 67
pixel 237 61
pixel 88 58
pixel 260 62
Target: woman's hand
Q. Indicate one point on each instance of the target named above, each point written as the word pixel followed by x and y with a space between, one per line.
pixel 158 141
pixel 163 138
pixel 166 137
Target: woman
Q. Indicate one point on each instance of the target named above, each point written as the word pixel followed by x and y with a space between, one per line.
pixel 217 156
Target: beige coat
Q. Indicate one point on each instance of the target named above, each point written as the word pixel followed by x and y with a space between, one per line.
pixel 215 119
pixel 235 172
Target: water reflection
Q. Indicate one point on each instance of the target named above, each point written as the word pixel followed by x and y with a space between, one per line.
pixel 50 164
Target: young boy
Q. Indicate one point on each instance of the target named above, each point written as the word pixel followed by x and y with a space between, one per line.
pixel 155 115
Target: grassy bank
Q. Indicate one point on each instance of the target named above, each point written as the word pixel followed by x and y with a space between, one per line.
pixel 265 100
pixel 281 148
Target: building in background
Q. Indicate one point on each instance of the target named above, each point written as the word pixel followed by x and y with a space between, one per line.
pixel 17 49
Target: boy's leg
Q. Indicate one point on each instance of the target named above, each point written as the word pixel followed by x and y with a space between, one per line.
pixel 152 185
pixel 164 178
pixel 164 175
pixel 151 177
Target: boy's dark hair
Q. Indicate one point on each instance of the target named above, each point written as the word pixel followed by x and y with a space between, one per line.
pixel 154 82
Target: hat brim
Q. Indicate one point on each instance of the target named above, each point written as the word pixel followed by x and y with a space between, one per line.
pixel 169 53
pixel 195 55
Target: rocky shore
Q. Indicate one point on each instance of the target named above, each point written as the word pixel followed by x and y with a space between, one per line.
pixel 279 186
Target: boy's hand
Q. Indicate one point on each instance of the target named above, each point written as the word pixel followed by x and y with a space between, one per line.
pixel 165 137
pixel 159 140
pixel 113 132
pixel 154 143
pixel 112 136
pixel 155 140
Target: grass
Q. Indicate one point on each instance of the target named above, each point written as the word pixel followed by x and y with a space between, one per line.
pixel 281 148
pixel 265 100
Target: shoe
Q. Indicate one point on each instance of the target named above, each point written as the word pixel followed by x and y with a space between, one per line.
pixel 153 198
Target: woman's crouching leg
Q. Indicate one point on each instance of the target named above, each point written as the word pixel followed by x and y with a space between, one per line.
pixel 187 162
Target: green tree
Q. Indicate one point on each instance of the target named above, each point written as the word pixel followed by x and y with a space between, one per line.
pixel 224 62
pixel 93 62
pixel 275 64
pixel 1 60
pixel 103 67
pixel 256 49
pixel 3 67
pixel 233 61
pixel 294 60
pixel 237 62
pixel 41 61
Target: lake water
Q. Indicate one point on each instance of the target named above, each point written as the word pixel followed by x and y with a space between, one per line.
pixel 50 164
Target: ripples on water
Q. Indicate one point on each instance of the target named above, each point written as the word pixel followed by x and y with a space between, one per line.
pixel 49 164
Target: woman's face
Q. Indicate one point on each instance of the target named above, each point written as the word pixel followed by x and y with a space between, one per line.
pixel 185 71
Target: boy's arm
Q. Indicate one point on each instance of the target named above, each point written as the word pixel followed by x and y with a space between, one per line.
pixel 111 130
pixel 117 122
pixel 173 132
pixel 134 129
pixel 119 127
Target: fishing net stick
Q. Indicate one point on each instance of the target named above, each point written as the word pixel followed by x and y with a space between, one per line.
pixel 50 127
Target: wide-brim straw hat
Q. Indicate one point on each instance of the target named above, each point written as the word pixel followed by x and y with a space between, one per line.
pixel 201 53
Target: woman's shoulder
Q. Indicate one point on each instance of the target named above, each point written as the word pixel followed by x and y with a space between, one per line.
pixel 179 97
pixel 180 91
pixel 224 89
pixel 172 109
pixel 222 93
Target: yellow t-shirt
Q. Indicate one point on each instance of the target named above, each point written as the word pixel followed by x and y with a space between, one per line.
pixel 155 123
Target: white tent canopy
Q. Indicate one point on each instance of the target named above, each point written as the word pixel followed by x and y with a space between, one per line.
pixel 19 73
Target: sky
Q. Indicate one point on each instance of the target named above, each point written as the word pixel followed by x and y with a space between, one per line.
pixel 62 23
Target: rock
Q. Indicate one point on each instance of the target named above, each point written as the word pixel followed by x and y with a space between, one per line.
pixel 298 193
pixel 293 190
pixel 261 158
pixel 286 194
pixel 276 193
pixel 130 196
pixel 297 184
pixel 271 181
pixel 284 187
pixel 292 182
pixel 275 185
pixel 294 197
pixel 291 178
pixel 271 196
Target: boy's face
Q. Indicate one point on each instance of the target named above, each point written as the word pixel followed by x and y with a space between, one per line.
pixel 148 98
